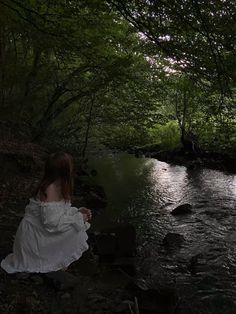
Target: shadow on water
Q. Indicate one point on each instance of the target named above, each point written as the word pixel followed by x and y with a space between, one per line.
pixel 144 191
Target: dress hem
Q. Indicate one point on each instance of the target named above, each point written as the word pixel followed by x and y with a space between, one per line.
pixel 49 269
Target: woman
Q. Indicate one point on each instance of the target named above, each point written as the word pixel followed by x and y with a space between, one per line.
pixel 52 233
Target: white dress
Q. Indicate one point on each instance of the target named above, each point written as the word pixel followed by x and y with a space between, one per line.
pixel 50 237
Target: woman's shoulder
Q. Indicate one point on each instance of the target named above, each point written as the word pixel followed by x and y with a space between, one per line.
pixel 47 203
pixel 53 198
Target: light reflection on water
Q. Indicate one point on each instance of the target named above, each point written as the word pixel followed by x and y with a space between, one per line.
pixel 144 191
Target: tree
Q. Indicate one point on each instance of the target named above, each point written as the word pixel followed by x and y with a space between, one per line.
pixel 197 37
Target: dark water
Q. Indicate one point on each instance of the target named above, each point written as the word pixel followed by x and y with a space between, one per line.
pixel 144 191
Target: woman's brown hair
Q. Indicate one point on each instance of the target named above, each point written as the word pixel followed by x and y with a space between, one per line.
pixel 58 167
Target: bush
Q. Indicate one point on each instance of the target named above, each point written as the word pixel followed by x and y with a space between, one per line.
pixel 167 135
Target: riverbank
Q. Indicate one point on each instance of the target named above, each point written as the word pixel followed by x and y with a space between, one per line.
pixel 21 166
pixel 211 160
pixel 103 281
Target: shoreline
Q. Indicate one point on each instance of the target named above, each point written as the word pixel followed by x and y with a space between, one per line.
pixel 191 161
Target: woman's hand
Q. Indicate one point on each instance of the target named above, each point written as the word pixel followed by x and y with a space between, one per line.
pixel 87 214
pixel 85 217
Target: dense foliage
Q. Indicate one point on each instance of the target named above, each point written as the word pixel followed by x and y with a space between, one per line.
pixel 121 73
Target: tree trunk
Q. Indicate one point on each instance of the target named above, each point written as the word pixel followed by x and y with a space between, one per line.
pixel 89 120
pixel 2 64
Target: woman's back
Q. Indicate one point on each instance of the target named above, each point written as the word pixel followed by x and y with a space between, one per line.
pixel 53 193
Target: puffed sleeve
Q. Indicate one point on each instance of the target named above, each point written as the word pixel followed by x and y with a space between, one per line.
pixel 74 210
pixel 55 219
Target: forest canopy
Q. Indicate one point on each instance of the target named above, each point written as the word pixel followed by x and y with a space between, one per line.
pixel 120 73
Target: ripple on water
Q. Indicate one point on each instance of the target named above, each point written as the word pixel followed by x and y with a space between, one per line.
pixel 204 267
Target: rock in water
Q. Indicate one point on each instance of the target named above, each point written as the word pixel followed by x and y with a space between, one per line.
pixel 182 209
pixel 194 262
pixel 173 239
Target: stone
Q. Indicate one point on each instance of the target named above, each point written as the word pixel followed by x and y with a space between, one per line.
pixel 195 263
pixel 155 301
pixel 182 209
pixel 173 239
pixel 62 280
pixel 66 296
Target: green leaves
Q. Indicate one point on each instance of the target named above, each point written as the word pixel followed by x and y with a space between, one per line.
pixel 193 34
pixel 144 63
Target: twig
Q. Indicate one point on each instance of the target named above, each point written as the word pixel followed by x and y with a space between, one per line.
pixel 176 306
pixel 130 308
pixel 136 309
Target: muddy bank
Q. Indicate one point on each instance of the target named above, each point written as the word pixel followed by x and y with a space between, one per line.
pixel 84 290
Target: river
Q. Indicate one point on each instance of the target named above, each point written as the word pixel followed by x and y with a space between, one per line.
pixel 143 191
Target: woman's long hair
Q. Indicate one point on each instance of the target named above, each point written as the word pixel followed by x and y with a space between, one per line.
pixel 58 167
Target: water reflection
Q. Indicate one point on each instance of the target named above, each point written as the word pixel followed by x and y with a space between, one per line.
pixel 169 182
pixel 144 191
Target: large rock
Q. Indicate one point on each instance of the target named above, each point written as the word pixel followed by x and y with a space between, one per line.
pixel 106 244
pixel 117 246
pixel 182 209
pixel 198 264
